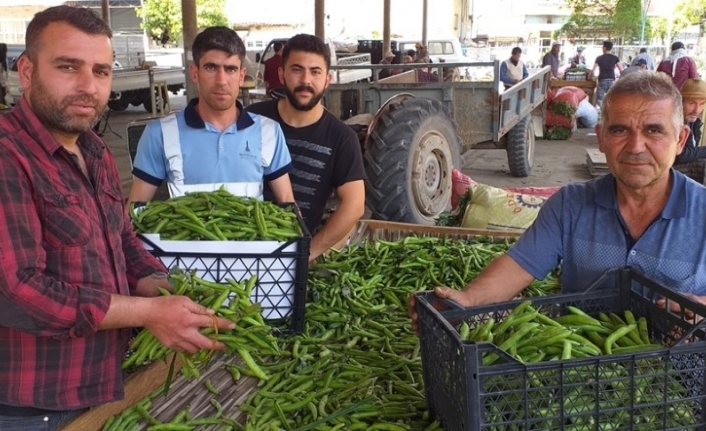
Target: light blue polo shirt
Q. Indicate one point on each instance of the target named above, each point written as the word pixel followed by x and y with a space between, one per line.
pixel 581 227
pixel 248 152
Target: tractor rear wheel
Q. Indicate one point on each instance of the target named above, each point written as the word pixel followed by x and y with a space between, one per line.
pixel 413 149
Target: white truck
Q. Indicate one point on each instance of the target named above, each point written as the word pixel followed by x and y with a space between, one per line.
pixel 338 58
pixel 131 86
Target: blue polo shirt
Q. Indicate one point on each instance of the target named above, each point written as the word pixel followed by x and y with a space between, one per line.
pixel 251 150
pixel 581 228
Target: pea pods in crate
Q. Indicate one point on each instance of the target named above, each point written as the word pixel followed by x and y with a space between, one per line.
pixel 222 237
pixel 473 386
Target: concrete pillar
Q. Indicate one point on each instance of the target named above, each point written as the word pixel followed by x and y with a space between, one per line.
pixel 105 11
pixel 386 27
pixel 320 19
pixel 188 16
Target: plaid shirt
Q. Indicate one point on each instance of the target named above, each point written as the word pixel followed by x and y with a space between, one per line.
pixel 66 245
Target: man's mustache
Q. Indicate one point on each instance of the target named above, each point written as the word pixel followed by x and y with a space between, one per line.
pixel 81 100
pixel 638 159
pixel 303 88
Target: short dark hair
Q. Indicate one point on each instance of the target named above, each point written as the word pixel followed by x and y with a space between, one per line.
pixel 643 50
pixel 677 45
pixel 81 18
pixel 307 43
pixel 221 38
pixel 411 52
pixel 608 45
pixel 516 50
pixel 277 46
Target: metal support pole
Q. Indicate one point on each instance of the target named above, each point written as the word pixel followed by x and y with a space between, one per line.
pixel 645 5
pixel 386 27
pixel 472 19
pixel 425 16
pixel 462 19
pixel 320 19
pixel 188 16
pixel 105 11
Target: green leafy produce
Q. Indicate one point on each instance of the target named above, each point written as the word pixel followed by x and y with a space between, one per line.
pixel 563 109
pixel 557 133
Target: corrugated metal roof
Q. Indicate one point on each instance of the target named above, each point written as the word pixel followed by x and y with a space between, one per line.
pixel 247 25
pixel 97 3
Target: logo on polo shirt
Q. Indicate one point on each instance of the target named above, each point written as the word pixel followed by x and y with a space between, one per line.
pixel 247 154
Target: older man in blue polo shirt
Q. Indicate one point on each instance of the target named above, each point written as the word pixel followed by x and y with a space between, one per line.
pixel 643 214
pixel 213 143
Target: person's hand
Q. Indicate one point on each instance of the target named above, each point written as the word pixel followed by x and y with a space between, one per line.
pixel 677 308
pixel 176 321
pixel 460 297
pixel 147 286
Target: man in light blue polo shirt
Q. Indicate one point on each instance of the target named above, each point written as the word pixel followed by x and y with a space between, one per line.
pixel 643 214
pixel 213 143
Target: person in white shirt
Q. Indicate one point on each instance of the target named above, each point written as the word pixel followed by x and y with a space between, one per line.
pixel 513 70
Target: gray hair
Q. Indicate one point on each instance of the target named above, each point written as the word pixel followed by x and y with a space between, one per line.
pixel 650 85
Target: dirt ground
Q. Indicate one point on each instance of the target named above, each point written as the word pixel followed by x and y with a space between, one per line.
pixel 555 162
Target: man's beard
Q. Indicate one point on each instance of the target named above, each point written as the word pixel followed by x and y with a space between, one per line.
pixel 695 117
pixel 51 112
pixel 292 97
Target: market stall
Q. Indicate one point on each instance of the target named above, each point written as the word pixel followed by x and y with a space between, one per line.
pixel 356 363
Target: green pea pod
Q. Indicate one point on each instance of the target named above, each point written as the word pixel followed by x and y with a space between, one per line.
pixel 251 364
pixel 615 336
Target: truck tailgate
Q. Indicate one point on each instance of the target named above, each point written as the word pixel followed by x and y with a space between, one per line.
pixel 520 100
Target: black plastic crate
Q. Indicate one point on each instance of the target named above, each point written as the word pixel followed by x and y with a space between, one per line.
pixel 282 270
pixel 657 390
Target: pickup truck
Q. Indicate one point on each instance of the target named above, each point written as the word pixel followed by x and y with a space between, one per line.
pixel 341 59
pixel 131 86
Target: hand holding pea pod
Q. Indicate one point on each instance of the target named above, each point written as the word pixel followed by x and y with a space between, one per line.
pixel 224 319
pixel 176 321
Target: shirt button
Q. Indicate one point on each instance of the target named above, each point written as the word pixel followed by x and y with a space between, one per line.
pixel 633 252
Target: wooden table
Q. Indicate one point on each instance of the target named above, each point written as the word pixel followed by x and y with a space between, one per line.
pixel 589 87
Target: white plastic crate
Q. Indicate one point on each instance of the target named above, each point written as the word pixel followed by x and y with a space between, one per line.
pixel 281 269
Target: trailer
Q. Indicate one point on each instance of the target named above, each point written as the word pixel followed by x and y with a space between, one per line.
pixel 419 124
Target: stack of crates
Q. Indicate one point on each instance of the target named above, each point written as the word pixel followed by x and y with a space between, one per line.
pixel 576 76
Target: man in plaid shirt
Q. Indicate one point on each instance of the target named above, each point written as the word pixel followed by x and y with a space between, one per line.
pixel 73 275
